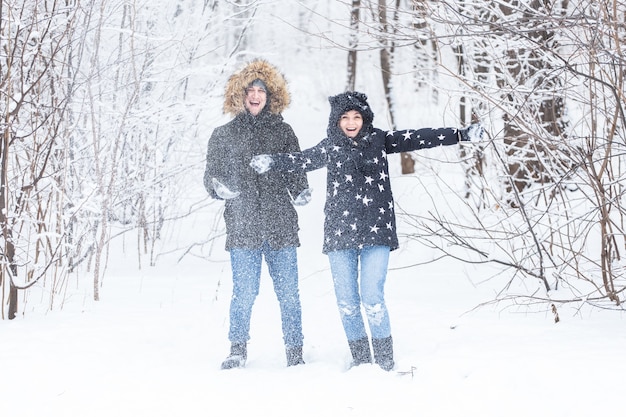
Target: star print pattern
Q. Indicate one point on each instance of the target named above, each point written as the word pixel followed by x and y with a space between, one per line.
pixel 359 208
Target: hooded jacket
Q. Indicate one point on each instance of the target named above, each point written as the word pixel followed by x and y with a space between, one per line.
pixel 263 210
pixel 359 209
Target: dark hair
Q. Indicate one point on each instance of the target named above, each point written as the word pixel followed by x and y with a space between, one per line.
pixel 259 83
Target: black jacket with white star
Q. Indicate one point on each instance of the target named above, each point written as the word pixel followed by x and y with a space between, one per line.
pixel 359 208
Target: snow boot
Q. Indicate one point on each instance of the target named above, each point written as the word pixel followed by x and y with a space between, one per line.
pixel 237 357
pixel 383 353
pixel 294 356
pixel 360 350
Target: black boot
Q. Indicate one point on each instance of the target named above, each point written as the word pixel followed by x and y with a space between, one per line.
pixel 237 357
pixel 383 353
pixel 360 350
pixel 294 356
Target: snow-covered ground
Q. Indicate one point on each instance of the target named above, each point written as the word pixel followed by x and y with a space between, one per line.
pixel 153 345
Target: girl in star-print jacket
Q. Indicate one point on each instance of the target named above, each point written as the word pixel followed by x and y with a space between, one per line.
pixel 360 222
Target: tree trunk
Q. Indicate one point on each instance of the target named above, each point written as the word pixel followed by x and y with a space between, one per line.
pixel 354 40
pixel 9 269
pixel 423 62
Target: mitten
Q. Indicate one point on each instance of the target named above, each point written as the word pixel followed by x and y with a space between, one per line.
pixel 303 198
pixel 261 163
pixel 473 133
pixel 223 191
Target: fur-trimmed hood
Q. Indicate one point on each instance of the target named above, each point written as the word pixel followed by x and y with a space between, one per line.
pixel 278 97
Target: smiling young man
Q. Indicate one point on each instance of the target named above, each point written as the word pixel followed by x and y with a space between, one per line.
pixel 256 95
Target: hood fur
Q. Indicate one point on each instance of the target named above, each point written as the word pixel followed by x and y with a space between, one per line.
pixel 278 97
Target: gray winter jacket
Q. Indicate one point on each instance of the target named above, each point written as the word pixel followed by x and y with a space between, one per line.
pixel 263 210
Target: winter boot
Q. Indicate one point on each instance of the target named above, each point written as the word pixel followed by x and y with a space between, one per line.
pixel 237 357
pixel 294 356
pixel 360 351
pixel 383 353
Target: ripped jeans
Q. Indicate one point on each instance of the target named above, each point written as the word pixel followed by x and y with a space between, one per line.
pixel 369 290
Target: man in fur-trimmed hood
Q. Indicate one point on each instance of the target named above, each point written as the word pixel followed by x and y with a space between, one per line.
pixel 261 221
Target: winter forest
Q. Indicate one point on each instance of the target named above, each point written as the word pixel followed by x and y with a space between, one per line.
pixel 107 106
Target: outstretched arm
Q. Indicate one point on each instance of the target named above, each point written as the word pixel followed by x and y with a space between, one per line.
pixel 414 139
pixel 305 161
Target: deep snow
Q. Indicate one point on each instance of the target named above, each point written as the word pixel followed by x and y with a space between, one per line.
pixel 154 344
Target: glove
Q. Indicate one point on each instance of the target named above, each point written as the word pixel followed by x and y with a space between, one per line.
pixel 222 191
pixel 303 198
pixel 473 133
pixel 261 163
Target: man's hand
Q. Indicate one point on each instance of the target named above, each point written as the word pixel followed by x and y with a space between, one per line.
pixel 303 198
pixel 222 191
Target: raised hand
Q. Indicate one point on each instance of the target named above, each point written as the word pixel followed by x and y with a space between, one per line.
pixel 473 133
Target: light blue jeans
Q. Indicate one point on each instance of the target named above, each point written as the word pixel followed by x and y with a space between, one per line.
pixel 344 266
pixel 283 268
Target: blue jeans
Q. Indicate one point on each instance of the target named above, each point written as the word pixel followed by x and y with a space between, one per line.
pixel 283 268
pixel 344 266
